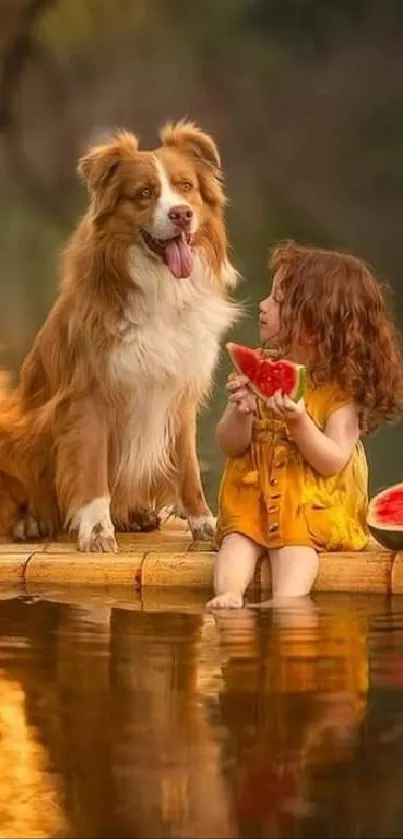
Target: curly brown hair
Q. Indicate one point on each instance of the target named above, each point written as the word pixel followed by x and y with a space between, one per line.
pixel 335 301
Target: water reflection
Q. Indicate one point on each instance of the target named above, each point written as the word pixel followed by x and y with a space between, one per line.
pixel 294 700
pixel 138 719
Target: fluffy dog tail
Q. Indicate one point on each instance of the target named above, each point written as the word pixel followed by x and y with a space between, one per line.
pixel 5 385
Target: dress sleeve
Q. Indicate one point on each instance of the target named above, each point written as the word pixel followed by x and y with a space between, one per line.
pixel 336 398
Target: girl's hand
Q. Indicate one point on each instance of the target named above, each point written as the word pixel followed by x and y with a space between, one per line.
pixel 240 395
pixel 285 408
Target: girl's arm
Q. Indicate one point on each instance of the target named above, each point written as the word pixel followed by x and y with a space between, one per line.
pixel 234 430
pixel 326 451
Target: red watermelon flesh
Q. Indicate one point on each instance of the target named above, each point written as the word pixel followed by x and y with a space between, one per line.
pixel 245 360
pixel 385 517
pixel 265 375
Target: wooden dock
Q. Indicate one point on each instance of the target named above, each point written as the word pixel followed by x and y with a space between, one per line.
pixel 167 557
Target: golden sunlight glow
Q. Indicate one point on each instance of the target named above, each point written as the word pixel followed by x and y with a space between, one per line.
pixel 30 801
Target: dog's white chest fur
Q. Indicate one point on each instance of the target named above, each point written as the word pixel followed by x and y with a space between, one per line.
pixel 170 344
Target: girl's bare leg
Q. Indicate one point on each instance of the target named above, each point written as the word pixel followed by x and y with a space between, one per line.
pixel 233 570
pixel 293 573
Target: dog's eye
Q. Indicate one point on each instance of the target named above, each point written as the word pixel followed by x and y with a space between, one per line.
pixel 186 186
pixel 145 192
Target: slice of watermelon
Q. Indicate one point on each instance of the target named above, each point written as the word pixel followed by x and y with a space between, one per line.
pixel 267 376
pixel 385 517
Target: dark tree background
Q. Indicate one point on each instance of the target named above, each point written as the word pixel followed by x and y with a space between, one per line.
pixel 303 96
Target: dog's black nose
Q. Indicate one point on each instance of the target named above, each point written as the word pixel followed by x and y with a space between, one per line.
pixel 181 215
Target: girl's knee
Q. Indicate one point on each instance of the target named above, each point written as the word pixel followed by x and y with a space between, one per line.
pixel 241 542
pixel 234 538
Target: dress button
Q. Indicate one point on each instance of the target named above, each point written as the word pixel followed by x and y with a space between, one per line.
pixel 279 464
pixel 275 496
pixel 272 508
pixel 273 482
pixel 273 527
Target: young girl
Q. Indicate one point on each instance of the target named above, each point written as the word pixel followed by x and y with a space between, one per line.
pixel 296 475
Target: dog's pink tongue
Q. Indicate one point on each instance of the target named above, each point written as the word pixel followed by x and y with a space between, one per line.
pixel 179 257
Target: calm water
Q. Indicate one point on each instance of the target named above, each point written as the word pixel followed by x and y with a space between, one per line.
pixel 150 718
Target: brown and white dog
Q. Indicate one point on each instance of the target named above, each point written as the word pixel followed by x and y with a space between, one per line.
pixel 101 430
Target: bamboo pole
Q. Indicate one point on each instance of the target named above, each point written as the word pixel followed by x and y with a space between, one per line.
pixel 168 558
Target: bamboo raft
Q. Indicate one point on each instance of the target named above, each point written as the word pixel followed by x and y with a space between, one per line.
pixel 168 557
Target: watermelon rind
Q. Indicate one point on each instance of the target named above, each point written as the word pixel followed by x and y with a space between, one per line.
pixel 301 383
pixel 389 534
pixel 300 369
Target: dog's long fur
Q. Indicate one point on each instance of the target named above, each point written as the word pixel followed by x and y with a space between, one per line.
pixel 102 426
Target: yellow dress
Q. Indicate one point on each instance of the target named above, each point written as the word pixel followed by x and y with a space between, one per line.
pixel 272 495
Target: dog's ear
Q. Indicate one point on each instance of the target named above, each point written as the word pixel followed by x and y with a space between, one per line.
pixel 202 150
pixel 187 136
pixel 99 163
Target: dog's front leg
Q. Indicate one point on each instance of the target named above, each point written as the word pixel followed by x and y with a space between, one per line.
pixel 192 502
pixel 82 478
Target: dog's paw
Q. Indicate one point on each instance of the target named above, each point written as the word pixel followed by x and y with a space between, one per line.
pixel 28 528
pixel 143 521
pixel 202 529
pixel 96 532
pixel 139 521
pixel 99 540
